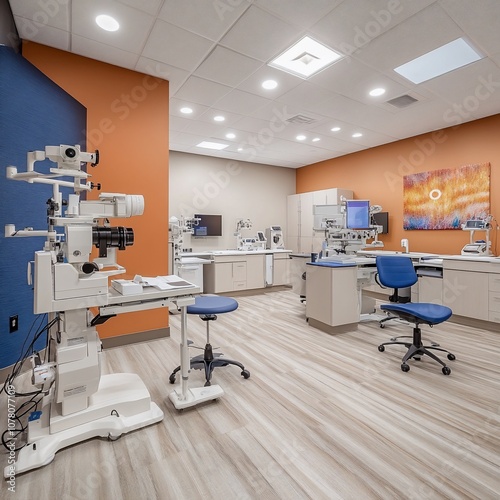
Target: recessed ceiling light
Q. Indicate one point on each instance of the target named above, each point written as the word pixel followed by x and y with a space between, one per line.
pixel 219 118
pixel 230 135
pixel 316 139
pixel 439 61
pixel 211 145
pixel 186 111
pixel 377 92
pixel 357 134
pixel 300 137
pixel 240 149
pixel 270 84
pixel 305 58
pixel 335 129
pixel 107 23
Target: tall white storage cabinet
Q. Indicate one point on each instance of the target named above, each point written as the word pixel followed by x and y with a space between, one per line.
pixel 300 235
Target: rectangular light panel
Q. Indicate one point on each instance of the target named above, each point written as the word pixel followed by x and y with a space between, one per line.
pixel 439 61
pixel 211 145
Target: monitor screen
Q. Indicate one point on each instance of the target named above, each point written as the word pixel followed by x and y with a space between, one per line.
pixel 357 214
pixel 208 225
pixel 382 219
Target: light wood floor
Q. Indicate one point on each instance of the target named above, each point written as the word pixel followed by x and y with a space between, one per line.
pixel 322 417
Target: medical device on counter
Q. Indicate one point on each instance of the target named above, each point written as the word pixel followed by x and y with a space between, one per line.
pixel 241 242
pixel 349 232
pixel 79 403
pixel 274 238
pixel 177 228
pixel 478 247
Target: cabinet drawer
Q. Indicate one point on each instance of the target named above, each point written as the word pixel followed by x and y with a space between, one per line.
pixel 494 302
pixel 240 285
pixel 494 283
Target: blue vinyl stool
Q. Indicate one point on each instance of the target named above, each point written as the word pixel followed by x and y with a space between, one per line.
pixel 207 307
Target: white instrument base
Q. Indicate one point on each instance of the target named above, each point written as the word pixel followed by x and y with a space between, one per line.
pixel 121 404
pixel 195 396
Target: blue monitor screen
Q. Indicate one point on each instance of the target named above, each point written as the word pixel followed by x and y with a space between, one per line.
pixel 357 214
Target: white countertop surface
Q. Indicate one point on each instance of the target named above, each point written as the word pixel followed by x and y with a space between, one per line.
pixel 211 253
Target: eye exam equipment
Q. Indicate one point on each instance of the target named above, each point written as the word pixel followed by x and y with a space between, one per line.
pixel 177 228
pixel 346 234
pixel 274 237
pixel 478 247
pixel 77 402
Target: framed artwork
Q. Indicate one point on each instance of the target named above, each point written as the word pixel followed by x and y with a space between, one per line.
pixel 446 198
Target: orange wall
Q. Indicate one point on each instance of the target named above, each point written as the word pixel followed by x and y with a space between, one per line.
pixel 377 174
pixel 127 120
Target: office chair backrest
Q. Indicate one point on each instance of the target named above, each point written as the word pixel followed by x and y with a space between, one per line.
pixel 396 272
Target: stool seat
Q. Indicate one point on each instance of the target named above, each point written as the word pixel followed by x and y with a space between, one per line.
pixel 212 304
pixel 207 307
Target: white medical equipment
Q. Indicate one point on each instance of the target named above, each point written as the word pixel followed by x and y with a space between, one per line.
pixel 243 243
pixel 177 228
pixel 345 240
pixel 274 238
pixel 78 402
pixel 478 247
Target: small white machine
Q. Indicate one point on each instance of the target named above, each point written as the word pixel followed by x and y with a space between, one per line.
pixel 78 403
pixel 478 247
pixel 274 237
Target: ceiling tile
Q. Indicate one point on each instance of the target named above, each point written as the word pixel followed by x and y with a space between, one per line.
pixel 299 12
pixel 259 35
pixel 241 102
pixel 202 91
pixel 176 47
pixel 210 19
pixel 177 104
pixel 36 18
pixel 101 52
pixel 52 37
pixel 227 67
pixel 175 76
pixel 149 6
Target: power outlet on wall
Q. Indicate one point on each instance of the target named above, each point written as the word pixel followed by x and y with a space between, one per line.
pixel 13 323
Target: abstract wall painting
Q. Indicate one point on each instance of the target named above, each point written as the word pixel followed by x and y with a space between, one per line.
pixel 446 198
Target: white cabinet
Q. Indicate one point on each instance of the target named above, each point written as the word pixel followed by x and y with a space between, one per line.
pixel 229 273
pixel 281 269
pixel 494 297
pixel 466 288
pixel 332 297
pixel 430 289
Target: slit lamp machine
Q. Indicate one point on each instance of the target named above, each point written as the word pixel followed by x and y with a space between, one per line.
pixel 78 403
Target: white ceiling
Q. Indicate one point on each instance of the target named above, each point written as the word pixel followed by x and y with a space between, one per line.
pixel 215 55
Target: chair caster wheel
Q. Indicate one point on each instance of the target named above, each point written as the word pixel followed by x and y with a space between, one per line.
pixel 405 367
pixel 114 438
pixel 446 370
pixel 245 374
pixel 382 325
pixel 451 357
pixel 208 383
pixel 381 348
pixel 171 379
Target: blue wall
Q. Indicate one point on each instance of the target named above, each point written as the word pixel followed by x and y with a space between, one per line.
pixel 34 113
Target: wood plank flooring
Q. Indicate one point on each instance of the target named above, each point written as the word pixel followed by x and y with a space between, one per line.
pixel 321 417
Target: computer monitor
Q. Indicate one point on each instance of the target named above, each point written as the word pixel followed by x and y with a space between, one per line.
pixel 382 219
pixel 208 225
pixel 357 214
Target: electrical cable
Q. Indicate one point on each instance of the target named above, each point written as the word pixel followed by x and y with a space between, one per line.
pixel 30 405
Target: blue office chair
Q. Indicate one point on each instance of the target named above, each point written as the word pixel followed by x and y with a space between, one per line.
pixel 398 272
pixel 207 307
